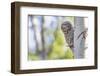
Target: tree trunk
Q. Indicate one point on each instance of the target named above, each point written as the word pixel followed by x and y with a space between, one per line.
pixel 79 41
pixel 43 52
pixel 35 37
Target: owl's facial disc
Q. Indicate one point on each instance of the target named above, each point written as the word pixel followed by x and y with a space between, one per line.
pixel 63 28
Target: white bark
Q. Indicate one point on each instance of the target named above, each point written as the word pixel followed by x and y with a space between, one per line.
pixel 79 43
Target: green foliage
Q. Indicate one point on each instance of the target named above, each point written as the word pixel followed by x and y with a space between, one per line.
pixel 59 37
pixel 33 57
pixel 69 54
pixel 59 50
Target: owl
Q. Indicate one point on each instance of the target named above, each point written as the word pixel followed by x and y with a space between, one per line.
pixel 68 31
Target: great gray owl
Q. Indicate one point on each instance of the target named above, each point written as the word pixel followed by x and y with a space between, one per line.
pixel 68 33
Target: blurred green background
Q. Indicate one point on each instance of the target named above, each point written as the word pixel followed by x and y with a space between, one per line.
pixel 46 39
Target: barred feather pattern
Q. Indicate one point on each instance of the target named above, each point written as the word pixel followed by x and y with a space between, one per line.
pixel 68 33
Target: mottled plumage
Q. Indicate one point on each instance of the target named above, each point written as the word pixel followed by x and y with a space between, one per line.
pixel 68 33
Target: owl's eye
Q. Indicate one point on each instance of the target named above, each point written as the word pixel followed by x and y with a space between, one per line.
pixel 68 26
pixel 64 26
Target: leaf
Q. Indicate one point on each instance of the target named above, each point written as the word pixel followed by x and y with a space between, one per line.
pixel 69 54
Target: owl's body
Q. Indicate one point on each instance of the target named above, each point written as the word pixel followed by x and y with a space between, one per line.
pixel 68 33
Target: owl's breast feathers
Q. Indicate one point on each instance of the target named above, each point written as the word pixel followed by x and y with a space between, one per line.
pixel 68 33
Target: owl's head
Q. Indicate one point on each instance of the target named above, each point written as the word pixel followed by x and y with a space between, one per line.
pixel 66 26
